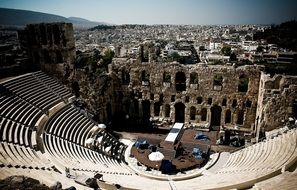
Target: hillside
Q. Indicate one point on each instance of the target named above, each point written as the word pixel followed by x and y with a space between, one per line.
pixel 84 23
pixel 284 35
pixel 14 17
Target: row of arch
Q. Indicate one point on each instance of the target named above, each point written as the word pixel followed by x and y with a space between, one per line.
pixel 213 116
pixel 180 80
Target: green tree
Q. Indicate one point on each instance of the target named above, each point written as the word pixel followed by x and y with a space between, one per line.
pixel 226 50
pixel 173 57
pixel 259 49
pixel 107 57
pixel 233 57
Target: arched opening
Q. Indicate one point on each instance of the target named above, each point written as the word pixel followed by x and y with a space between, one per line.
pixel 209 101
pixel 234 103
pixel 193 78
pixel 243 83
pixel 146 111
pixel 199 100
pixel 167 110
pixel 228 116
pixel 203 114
pixel 192 113
pixel 156 108
pixel 179 112
pixel 224 102
pixel 180 81
pixel 215 116
pixel 240 117
pixel 248 103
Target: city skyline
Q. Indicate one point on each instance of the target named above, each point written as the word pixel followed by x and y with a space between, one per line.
pixel 166 11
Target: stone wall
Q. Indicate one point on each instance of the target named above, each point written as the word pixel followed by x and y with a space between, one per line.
pixel 277 101
pixel 51 47
pixel 200 95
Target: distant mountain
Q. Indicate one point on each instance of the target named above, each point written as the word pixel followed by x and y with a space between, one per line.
pixel 84 23
pixel 15 17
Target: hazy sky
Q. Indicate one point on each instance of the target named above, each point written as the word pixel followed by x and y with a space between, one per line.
pixel 166 11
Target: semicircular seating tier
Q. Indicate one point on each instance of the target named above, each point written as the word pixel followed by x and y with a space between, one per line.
pixel 25 99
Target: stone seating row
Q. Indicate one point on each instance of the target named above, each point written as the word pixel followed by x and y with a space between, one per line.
pixel 54 85
pixel 15 133
pixel 70 125
pixel 34 92
pixel 77 157
pixel 267 155
pixel 32 89
pixel 250 165
pixel 18 110
pixel 13 155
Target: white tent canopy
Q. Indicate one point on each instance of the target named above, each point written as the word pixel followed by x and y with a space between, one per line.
pixel 102 126
pixel 156 156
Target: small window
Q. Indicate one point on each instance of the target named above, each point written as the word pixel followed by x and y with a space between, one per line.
pixel 187 99
pixel 234 103
pixel 248 104
pixel 172 98
pixel 199 100
pixel 192 113
pixel 193 78
pixel 224 102
pixel 180 81
pixel 240 117
pixel 166 77
pixel 228 116
pixel 203 114
pixel 209 101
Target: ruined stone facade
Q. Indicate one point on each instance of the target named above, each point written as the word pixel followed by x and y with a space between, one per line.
pixel 202 96
pixel 51 47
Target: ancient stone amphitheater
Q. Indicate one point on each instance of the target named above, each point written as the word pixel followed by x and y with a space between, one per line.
pixel 43 136
pixel 47 136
